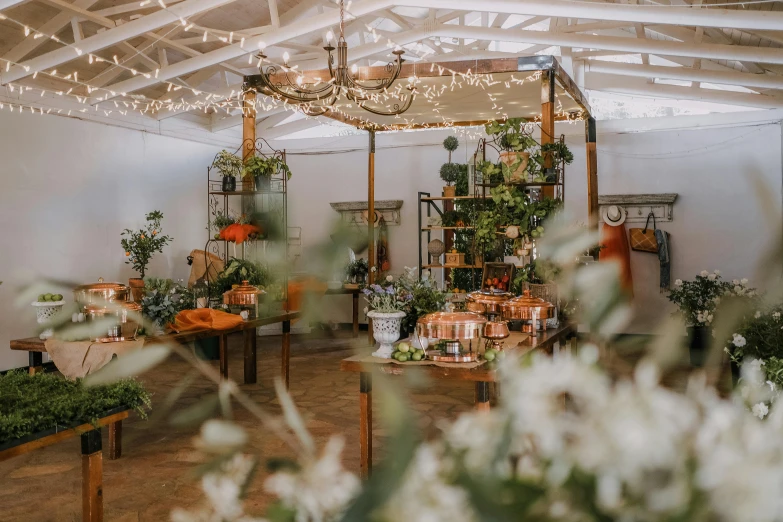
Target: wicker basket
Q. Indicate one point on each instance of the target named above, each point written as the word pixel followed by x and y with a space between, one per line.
pixel 547 292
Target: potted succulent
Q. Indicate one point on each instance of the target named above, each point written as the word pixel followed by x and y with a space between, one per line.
pixel 449 172
pixel 229 166
pixel 139 246
pixel 261 169
pixel 514 144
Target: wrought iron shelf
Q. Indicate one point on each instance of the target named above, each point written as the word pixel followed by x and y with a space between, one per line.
pixel 448 198
pixel 246 192
pixel 447 228
pixel 521 184
pixel 454 266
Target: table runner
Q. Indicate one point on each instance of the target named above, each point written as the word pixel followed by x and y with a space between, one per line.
pixel 80 358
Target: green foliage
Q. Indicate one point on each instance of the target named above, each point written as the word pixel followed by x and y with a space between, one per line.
pixel 140 245
pixel 33 403
pixel 449 172
pixel 763 334
pixel 259 166
pixel 697 299
pixel 238 270
pixel 358 269
pixel 517 142
pixel 163 300
pixel 228 165
pixel 221 220
pixel 426 299
pixel 539 272
pixel 560 152
pixel 451 143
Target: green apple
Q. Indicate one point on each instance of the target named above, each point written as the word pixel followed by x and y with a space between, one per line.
pixel 57 297
pixel 41 298
pixel 48 297
pixel 489 355
pixel 403 357
pixel 404 347
pixel 416 356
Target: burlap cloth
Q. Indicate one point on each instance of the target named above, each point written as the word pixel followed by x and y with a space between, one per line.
pixel 77 359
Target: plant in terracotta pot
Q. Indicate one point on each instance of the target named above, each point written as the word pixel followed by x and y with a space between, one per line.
pixel 140 245
pixel 261 169
pixel 449 172
pixel 515 146
pixel 229 167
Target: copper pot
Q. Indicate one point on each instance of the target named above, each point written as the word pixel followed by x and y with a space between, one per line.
pixel 244 297
pixel 124 325
pixel 496 330
pixel 528 308
pixel 451 325
pixel 100 293
pixel 486 302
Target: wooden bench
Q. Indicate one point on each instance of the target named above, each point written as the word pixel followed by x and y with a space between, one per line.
pixel 91 450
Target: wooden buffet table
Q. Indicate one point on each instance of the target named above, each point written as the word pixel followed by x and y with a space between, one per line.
pixel 481 376
pixel 37 348
pixel 92 455
pixel 354 292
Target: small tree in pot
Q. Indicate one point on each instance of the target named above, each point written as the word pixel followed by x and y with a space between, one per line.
pixel 140 246
pixel 229 166
pixel 449 172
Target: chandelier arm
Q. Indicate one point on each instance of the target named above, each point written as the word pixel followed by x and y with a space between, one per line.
pixel 385 84
pixel 394 112
pixel 274 91
pixel 298 89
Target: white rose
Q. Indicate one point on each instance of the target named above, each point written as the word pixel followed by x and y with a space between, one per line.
pixel 709 319
pixel 738 289
pixel 678 282
pixel 757 315
pixel 744 280
pixel 735 282
pixel 716 272
pixel 389 278
pixel 776 315
pixel 738 341
pixel 711 277
pixel 760 410
pixel 704 273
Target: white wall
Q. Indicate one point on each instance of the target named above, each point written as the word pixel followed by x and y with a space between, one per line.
pixel 67 190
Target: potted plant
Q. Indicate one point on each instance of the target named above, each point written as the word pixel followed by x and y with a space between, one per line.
pixel 388 306
pixel 261 169
pixel 221 221
pixel 229 166
pixel 514 144
pixel 357 271
pixel 161 303
pixel 139 246
pixel 553 154
pixel 449 172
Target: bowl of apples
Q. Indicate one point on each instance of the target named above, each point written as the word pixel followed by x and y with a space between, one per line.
pixel 46 307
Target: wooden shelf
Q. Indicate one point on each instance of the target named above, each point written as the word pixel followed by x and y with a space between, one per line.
pixel 445 198
pixel 452 266
pixel 521 184
pixel 447 228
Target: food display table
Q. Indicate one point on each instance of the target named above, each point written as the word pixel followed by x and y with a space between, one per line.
pixel 354 292
pixel 37 347
pixel 479 373
pixel 91 450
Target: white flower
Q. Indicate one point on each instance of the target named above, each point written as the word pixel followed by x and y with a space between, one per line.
pixel 678 282
pixel 735 282
pixel 711 277
pixel 716 300
pixel 744 281
pixel 757 315
pixel 709 318
pixel 716 272
pixel 760 410
pixel 776 315
pixel 704 273
pixel 738 290
pixel 366 309
pixel 389 278
pixel 738 341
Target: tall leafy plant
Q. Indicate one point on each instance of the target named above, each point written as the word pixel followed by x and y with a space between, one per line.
pixel 141 245
pixel 227 164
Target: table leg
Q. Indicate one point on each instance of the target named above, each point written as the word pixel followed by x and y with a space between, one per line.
pixel 286 351
pixel 115 440
pixel 251 366
pixel 355 315
pixel 92 477
pixel 224 356
pixel 35 363
pixel 482 396
pixel 365 424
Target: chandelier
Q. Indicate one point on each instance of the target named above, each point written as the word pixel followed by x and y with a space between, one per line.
pixel 318 100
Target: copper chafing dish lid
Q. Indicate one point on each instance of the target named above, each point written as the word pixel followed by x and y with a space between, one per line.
pixel 111 307
pixel 451 325
pixel 243 295
pixel 522 307
pixel 489 297
pixel 100 292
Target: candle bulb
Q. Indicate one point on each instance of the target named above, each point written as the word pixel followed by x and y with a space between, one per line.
pixel 329 36
pixel 286 57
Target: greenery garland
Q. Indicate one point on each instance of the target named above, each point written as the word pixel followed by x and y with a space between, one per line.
pixel 33 403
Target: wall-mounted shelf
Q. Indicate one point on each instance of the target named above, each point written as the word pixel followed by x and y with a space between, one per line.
pixel 639 206
pixel 452 266
pixel 447 228
pixel 354 212
pixel 448 198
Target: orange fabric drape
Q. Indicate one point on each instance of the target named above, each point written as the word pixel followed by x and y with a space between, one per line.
pixel 205 318
pixel 614 240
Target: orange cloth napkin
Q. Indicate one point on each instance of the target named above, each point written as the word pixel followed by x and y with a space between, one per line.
pixel 205 318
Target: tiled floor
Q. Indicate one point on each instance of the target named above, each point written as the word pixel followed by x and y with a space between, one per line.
pixel 155 471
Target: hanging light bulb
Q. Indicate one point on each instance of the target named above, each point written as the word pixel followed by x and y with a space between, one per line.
pixel 329 36
pixel 354 68
pixel 286 57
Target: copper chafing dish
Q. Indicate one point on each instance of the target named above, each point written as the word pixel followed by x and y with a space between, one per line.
pixel 495 332
pixel 533 311
pixel 451 327
pixel 486 302
pixel 244 297
pixel 103 300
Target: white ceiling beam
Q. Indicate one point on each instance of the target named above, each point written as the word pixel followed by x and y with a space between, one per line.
pixel 78 35
pixel 146 60
pixel 760 81
pixel 533 20
pixel 594 26
pixel 53 26
pixel 272 118
pixel 639 87
pixel 176 109
pixel 111 37
pixel 132 7
pixel 228 122
pixel 397 19
pixel 289 128
pixel 273 15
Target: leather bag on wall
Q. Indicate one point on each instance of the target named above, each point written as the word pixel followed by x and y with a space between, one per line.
pixel 643 239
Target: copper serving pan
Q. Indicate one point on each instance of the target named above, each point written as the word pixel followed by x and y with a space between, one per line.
pixel 100 293
pixel 527 308
pixel 496 330
pixel 451 325
pixel 486 302
pixel 243 295
pixel 124 328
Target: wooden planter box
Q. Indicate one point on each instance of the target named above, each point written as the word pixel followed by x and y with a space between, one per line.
pixel 454 259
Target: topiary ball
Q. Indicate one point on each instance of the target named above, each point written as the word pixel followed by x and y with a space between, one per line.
pixel 451 143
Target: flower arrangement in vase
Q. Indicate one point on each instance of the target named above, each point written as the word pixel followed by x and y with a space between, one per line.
pixel 388 306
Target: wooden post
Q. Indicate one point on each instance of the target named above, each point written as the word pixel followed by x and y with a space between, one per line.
pixel 371 224
pixel 248 125
pixel 355 313
pixel 35 361
pixel 286 352
pixel 115 440
pixel 92 477
pixel 251 366
pixel 592 171
pixel 224 356
pixel 548 119
pixel 482 396
pixel 365 424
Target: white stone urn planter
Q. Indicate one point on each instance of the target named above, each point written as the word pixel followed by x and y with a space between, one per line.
pixel 45 312
pixel 386 330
